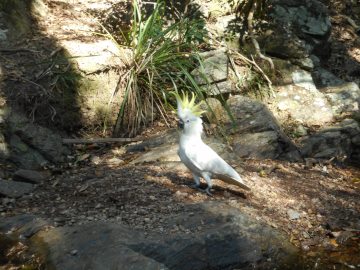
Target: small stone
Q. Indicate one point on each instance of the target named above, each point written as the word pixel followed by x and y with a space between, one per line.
pixel 301 131
pixel 95 160
pixel 293 214
pixel 74 252
pixel 28 176
pixel 305 235
pixel 180 194
pixel 115 161
pixel 99 205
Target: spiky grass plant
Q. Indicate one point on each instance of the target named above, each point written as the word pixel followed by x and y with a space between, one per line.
pixel 162 56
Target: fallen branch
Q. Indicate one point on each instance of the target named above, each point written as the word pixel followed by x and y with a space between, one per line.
pixel 16 50
pixel 252 37
pixel 101 140
pixel 248 61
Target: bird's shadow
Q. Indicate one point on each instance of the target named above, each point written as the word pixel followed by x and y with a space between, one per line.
pixel 216 189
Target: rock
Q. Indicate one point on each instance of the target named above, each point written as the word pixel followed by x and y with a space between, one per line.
pixel 103 53
pixel 310 17
pixel 230 239
pixel 333 141
pixel 343 98
pixel 225 87
pixel 303 79
pixel 32 146
pixel 212 9
pixel 159 154
pixel 14 189
pixel 217 111
pixel 293 214
pixel 257 145
pixel 299 100
pixel 299 28
pixel 39 8
pixel 29 176
pixel 223 27
pixel 300 131
pixel 257 133
pixel 47 142
pixel 171 136
pixel 284 44
pixel 25 156
pixel 3 36
pixel 215 67
pixel 115 161
pixel 166 155
pixel 324 78
pixel 305 63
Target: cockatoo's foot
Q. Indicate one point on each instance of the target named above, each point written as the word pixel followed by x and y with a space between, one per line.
pixel 196 186
pixel 208 191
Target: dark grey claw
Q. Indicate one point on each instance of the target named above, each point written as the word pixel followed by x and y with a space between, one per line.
pixel 195 186
pixel 208 192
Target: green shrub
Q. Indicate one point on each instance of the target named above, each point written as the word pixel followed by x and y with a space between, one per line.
pixel 162 57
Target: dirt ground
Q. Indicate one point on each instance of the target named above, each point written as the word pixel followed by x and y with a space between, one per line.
pixel 316 205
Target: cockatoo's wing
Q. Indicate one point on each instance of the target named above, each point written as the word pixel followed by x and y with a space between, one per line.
pixel 205 159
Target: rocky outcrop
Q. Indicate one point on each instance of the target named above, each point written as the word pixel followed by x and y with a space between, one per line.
pixel 257 133
pixel 298 98
pixel 230 239
pixel 297 29
pixel 344 98
pixel 340 141
pixel 29 145
pixel 13 189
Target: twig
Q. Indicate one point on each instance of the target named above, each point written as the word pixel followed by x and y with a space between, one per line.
pixel 235 71
pixel 17 50
pixel 265 76
pixel 101 140
pixel 252 37
pixel 351 22
pixel 36 84
pixel 248 61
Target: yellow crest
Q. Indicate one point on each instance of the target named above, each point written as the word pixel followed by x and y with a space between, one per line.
pixel 186 105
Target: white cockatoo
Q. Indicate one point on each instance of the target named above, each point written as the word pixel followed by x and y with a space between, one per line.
pixel 198 157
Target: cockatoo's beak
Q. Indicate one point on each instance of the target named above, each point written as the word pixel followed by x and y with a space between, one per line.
pixel 181 124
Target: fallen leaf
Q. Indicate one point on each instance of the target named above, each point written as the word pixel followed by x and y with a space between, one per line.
pixel 334 243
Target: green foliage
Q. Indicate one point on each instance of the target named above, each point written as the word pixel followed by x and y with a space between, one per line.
pixel 162 56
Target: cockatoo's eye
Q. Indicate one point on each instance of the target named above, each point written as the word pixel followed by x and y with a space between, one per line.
pixel 188 121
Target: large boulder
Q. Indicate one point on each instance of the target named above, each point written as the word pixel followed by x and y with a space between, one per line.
pixel 13 189
pixel 296 29
pixel 298 100
pixel 339 141
pixel 214 68
pixel 29 145
pixel 230 239
pixel 255 132
pixel 344 98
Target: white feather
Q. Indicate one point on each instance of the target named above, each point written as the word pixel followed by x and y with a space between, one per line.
pixel 199 158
